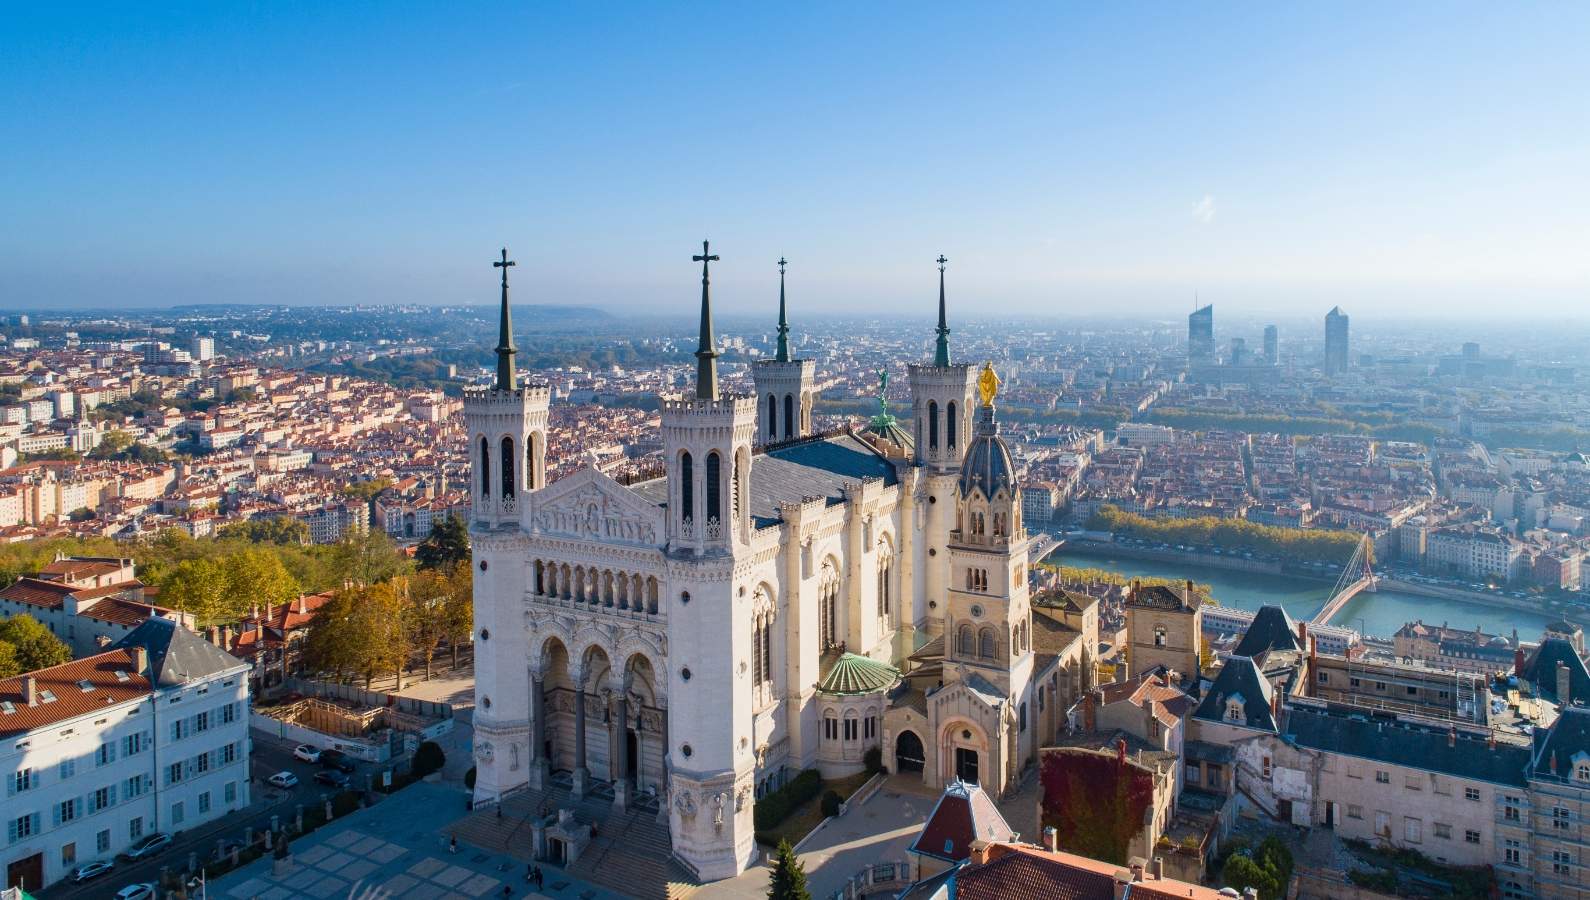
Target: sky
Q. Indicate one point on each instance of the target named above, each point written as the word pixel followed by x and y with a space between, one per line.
pixel 1409 158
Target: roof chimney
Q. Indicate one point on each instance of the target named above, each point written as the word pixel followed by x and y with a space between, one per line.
pixel 1553 762
pixel 1158 867
pixel 300 604
pixel 1051 839
pixel 30 690
pixel 1490 740
pixel 1087 713
pixel 1120 751
pixel 1302 635
pixel 1188 600
pixel 1451 736
pixel 140 657
pixel 1518 661
pixel 1564 686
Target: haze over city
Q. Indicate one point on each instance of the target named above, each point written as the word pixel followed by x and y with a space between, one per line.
pixel 1410 158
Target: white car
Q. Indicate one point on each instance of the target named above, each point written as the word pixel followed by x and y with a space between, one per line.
pixel 307 753
pixel 91 870
pixel 145 891
pixel 283 780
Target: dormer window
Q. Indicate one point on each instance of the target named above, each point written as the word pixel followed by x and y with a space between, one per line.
pixel 1236 709
pixel 1581 767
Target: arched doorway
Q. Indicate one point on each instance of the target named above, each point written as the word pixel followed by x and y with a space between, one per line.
pixel 909 755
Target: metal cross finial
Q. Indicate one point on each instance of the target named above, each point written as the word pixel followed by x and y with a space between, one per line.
pixel 781 264
pixel 941 262
pixel 503 264
pixel 705 256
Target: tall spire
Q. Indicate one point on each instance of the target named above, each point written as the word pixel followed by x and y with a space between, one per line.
pixel 783 320
pixel 941 356
pixel 505 351
pixel 707 350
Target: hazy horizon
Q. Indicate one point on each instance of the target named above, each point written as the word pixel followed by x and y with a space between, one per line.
pixel 1411 161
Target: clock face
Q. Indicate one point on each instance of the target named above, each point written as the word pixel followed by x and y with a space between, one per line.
pixel 977 612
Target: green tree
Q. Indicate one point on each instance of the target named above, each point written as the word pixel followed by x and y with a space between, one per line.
pixel 368 558
pixel 111 444
pixel 787 881
pixel 366 490
pixel 9 666
pixel 271 530
pixel 447 545
pixel 333 645
pixel 32 645
pixel 255 575
pixel 197 586
pixel 1242 871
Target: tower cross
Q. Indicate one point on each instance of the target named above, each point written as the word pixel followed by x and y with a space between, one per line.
pixel 707 349
pixel 506 377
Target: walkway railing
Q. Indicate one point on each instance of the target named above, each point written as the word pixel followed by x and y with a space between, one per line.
pixel 893 875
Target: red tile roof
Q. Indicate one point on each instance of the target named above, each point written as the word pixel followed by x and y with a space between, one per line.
pixel 1007 871
pixel 35 592
pixel 63 682
pixel 963 814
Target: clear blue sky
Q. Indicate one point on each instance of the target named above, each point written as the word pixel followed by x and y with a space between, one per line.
pixel 1410 157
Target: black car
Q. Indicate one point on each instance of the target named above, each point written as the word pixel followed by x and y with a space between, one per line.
pixel 332 777
pixel 336 759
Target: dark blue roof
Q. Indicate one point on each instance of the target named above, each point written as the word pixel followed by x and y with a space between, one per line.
pixel 988 466
pixel 1271 629
pixel 1540 669
pixel 1239 676
pixel 1386 739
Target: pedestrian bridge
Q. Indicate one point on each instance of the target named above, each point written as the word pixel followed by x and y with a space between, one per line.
pixel 1339 599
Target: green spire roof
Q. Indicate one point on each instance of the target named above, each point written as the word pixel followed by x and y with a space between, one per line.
pixel 856 674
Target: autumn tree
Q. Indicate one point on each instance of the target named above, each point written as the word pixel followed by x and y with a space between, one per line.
pixel 255 575
pixel 197 586
pixel 426 613
pixel 368 558
pixel 9 666
pixel 32 645
pixel 459 611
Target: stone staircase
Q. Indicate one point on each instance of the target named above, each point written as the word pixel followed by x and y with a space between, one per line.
pixel 630 854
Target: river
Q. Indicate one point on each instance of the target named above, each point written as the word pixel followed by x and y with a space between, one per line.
pixel 1379 614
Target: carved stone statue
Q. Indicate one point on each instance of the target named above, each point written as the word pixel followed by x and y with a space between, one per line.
pixel 484 751
pixel 718 803
pixel 685 803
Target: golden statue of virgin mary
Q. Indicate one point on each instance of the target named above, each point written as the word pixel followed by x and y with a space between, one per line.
pixel 988 384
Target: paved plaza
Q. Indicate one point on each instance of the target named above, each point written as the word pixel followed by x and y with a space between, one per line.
pixel 395 851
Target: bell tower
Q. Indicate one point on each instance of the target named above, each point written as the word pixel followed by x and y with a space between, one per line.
pixel 941 399
pixel 711 762
pixel 784 386
pixel 507 428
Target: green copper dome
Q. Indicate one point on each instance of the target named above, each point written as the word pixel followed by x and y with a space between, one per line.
pixel 856 674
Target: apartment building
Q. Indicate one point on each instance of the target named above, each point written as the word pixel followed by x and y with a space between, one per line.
pixel 149 736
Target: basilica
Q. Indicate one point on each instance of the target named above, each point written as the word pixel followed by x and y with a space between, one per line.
pixel 775 600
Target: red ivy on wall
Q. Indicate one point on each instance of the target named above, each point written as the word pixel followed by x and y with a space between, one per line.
pixel 1095 802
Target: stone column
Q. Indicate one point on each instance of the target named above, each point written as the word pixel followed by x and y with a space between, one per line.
pixel 540 767
pixel 620 766
pixel 582 775
pixel 664 795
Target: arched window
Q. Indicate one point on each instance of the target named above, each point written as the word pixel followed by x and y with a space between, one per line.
pixel 951 423
pixel 933 425
pixel 985 643
pixel 651 595
pixel 885 578
pixel 830 726
pixel 687 487
pixel 852 723
pixel 485 467
pixel 540 576
pixel 734 489
pixel 772 418
pixel 964 641
pixel 789 416
pixel 530 462
pixel 828 606
pixel 507 466
pixel 999 524
pixel 714 488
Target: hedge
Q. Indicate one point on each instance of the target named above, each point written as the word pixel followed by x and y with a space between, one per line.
pixel 776 806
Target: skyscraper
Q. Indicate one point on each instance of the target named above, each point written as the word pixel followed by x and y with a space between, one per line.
pixel 1335 341
pixel 1272 345
pixel 1201 336
pixel 1239 351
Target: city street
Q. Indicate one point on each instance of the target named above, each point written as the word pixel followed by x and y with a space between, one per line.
pixel 269 757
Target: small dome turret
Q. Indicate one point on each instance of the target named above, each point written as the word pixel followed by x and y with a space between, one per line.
pixel 988 465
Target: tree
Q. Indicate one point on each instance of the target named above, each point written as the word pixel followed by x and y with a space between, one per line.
pixel 447 545
pixel 426 613
pixel 32 645
pixel 1242 872
pixel 256 575
pixel 788 878
pixel 197 586
pixel 368 558
pixel 359 631
pixel 428 758
pixel 9 666
pixel 366 490
pixel 111 444
pixel 270 530
pixel 332 644
pixel 459 611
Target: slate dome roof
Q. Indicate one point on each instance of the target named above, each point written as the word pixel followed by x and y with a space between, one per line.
pixel 988 465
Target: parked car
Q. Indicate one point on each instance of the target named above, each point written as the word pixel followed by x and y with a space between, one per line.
pixel 336 759
pixel 149 846
pixel 332 777
pixel 144 891
pixel 91 870
pixel 307 753
pixel 283 780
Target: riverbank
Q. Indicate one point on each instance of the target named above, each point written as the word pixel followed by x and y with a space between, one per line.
pixel 1249 584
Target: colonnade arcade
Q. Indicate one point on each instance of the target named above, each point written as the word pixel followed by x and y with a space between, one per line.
pixel 598 587
pixel 597 720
